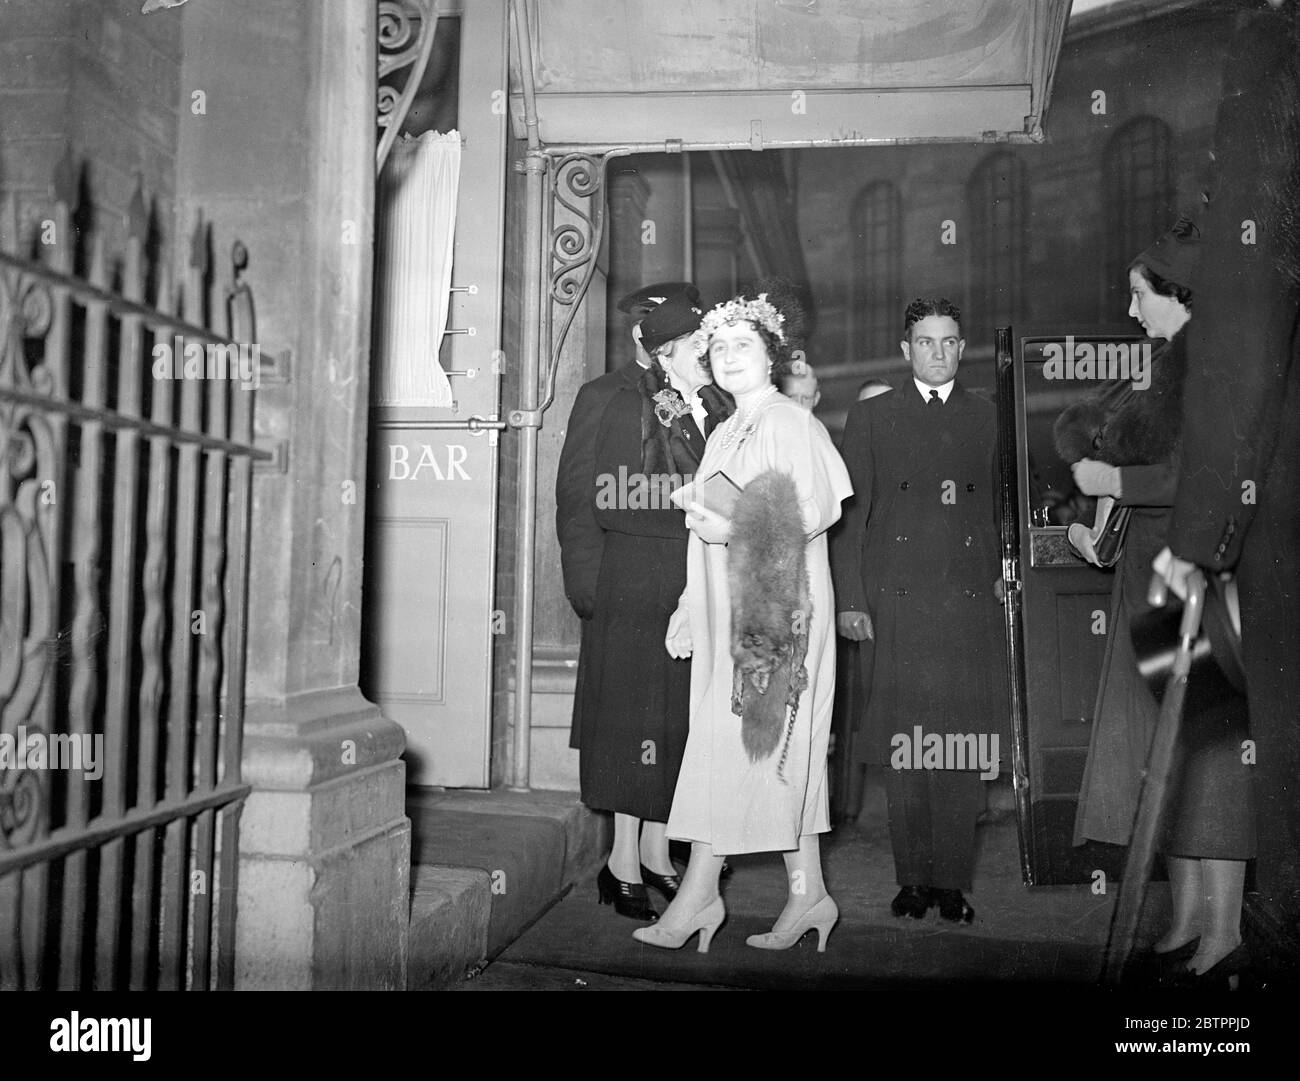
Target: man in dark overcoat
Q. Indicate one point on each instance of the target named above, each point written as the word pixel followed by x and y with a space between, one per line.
pixel 915 571
pixel 1238 501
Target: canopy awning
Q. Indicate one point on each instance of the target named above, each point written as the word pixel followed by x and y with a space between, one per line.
pixel 697 74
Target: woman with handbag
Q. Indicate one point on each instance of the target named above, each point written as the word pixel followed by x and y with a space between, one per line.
pixel 1129 440
pixel 757 620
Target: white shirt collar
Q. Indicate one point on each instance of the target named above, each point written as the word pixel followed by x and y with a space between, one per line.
pixel 925 389
pixel 697 409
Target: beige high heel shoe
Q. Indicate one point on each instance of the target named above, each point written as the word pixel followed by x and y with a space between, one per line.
pixel 706 921
pixel 823 916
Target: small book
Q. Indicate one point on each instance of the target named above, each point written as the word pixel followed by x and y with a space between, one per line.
pixel 716 492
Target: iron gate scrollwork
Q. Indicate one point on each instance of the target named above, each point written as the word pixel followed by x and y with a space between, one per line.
pixel 125 481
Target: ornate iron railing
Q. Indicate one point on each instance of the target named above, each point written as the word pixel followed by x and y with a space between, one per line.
pixel 125 481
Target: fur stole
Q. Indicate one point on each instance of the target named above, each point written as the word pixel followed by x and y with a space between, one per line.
pixel 664 449
pixel 1128 426
pixel 771 605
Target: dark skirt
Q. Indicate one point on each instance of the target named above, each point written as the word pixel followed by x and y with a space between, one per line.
pixel 633 703
pixel 1212 800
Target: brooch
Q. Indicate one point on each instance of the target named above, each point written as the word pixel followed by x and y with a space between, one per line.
pixel 669 406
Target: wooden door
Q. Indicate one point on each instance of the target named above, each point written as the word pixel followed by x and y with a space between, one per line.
pixel 430 617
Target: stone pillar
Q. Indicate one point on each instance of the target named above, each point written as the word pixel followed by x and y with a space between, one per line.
pixel 717 238
pixel 282 156
pixel 662 236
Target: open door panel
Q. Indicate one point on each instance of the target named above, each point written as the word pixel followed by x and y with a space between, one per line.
pixel 1058 611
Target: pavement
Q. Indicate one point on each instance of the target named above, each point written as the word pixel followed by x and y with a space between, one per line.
pixel 1020 936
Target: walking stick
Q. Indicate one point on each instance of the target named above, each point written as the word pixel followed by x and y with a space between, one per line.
pixel 1160 765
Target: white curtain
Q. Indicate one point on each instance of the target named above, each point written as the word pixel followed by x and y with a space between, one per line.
pixel 416 226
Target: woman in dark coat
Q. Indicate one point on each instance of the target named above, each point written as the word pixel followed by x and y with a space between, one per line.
pixel 632 697
pixel 1211 830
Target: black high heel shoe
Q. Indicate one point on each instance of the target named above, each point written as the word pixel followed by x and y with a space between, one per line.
pixel 1153 969
pixel 628 898
pixel 668 885
pixel 1177 955
pixel 1218 977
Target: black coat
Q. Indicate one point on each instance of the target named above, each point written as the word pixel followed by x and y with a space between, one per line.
pixel 919 553
pixel 581 538
pixel 1238 499
pixel 624 568
pixel 1209 810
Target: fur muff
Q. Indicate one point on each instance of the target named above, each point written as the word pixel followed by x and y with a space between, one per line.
pixel 1077 429
pixel 771 607
pixel 1140 428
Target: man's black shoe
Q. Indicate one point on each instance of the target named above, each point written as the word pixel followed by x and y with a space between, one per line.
pixel 953 906
pixel 911 901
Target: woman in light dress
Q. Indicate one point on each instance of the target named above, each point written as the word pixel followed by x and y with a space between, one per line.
pixel 725 803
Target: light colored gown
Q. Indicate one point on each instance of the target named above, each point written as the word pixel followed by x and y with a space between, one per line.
pixel 723 798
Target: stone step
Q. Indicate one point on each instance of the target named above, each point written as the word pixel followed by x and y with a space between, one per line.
pixel 450 910
pixel 515 855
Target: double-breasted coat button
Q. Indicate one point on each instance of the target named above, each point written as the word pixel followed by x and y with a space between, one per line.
pixel 903 486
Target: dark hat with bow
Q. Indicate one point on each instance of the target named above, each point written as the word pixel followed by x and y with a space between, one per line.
pixel 1173 256
pixel 678 315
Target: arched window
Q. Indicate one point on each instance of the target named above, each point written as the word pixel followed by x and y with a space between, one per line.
pixel 997 205
pixel 876 227
pixel 1140 193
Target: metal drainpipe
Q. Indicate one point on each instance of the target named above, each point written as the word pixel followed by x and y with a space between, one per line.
pixel 526 418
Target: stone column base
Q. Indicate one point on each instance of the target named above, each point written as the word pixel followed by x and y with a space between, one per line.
pixel 324 847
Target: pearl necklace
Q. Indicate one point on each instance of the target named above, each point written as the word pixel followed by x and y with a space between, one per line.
pixel 742 423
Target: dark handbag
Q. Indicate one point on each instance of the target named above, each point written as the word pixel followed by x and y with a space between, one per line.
pixel 1110 543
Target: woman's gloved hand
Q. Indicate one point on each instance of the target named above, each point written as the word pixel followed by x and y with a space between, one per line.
pixel 709 527
pixel 678 640
pixel 1096 478
pixel 1081 541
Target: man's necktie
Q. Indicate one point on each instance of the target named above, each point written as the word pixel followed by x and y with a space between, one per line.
pixel 934 398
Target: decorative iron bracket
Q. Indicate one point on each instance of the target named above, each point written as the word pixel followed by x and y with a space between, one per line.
pixel 406 29
pixel 575 231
